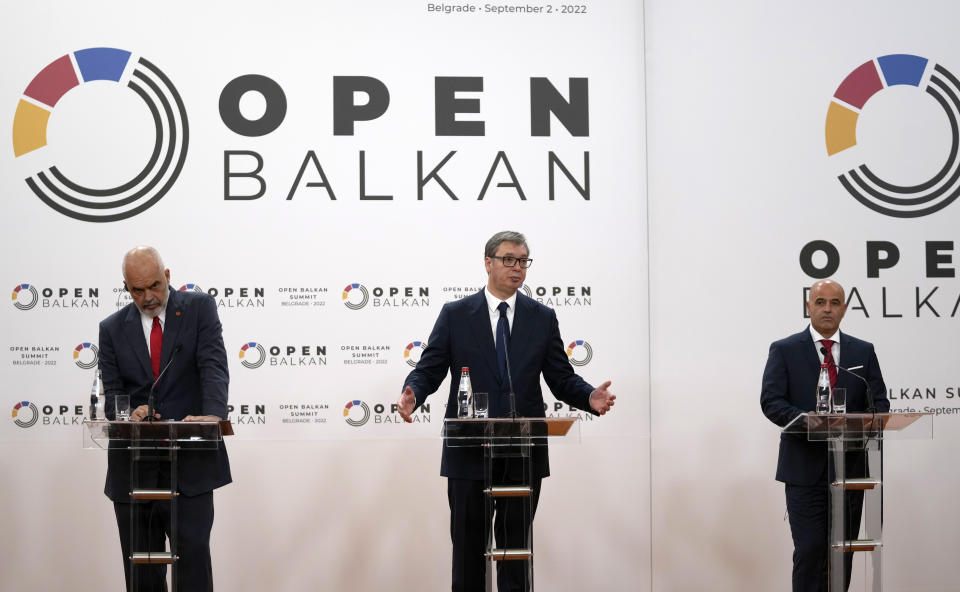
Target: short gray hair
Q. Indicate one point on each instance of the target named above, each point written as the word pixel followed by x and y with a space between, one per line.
pixel 506 236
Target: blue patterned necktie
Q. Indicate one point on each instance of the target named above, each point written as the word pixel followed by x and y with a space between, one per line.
pixel 503 333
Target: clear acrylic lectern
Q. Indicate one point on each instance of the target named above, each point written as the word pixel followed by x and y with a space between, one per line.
pixel 156 442
pixel 508 440
pixel 855 464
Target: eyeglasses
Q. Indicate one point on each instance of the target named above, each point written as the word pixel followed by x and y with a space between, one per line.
pixel 509 261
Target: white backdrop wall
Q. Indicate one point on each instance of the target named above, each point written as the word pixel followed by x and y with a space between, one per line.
pixel 323 504
pixel 739 182
pixel 728 100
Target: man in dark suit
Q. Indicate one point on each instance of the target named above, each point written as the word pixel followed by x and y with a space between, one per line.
pixel 176 337
pixel 481 331
pixel 789 389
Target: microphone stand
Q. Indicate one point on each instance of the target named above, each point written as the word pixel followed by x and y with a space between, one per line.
pixel 506 350
pixel 871 408
pixel 153 388
pixel 150 419
pixel 870 405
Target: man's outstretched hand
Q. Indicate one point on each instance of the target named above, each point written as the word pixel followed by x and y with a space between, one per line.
pixel 601 399
pixel 406 403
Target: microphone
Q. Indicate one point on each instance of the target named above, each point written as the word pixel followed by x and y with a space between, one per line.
pixel 153 387
pixel 870 406
pixel 506 351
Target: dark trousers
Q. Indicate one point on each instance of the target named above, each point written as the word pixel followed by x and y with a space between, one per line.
pixel 194 522
pixel 809 511
pixel 469 531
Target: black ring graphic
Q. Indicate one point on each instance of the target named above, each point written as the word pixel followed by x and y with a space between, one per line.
pixel 862 188
pixel 160 93
pixel 35 416
pixel 157 145
pixel 359 422
pixel 363 301
pixel 33 302
pixel 259 362
pixel 586 359
pixel 91 364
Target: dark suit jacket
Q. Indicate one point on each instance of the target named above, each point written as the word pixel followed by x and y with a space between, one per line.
pixel 789 387
pixel 462 336
pixel 194 384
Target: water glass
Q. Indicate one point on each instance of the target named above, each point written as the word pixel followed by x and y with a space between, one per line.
pixel 122 407
pixel 481 404
pixel 839 402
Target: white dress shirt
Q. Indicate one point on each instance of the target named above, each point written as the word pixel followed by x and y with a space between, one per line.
pixel 492 303
pixel 835 350
pixel 147 323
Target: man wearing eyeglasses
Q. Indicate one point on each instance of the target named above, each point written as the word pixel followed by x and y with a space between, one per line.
pixel 507 340
pixel 169 342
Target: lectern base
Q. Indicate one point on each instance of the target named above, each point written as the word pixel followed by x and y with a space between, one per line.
pixel 860 545
pixel 155 558
pixel 510 554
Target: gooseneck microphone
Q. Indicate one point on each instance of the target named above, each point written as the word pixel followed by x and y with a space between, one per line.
pixel 870 406
pixel 506 351
pixel 153 387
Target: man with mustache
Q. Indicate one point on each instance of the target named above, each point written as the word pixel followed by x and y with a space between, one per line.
pixel 178 335
pixel 789 389
pixel 479 332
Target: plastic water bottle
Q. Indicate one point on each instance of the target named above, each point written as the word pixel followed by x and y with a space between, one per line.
pixel 465 394
pixel 98 401
pixel 823 390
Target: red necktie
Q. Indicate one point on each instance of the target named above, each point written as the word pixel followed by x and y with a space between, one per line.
pixel 156 345
pixel 828 358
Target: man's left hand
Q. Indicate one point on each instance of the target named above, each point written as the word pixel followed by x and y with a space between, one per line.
pixel 601 399
pixel 201 418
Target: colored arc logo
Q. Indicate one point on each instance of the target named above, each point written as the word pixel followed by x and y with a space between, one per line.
pixel 841 133
pixel 27 288
pixel 574 358
pixel 78 360
pixel 364 408
pixel 413 347
pixel 350 291
pixel 18 414
pixel 169 150
pixel 246 355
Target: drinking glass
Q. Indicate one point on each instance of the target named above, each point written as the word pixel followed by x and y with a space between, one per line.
pixel 839 400
pixel 122 407
pixel 481 404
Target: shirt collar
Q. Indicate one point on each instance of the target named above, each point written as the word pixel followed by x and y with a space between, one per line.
pixel 817 337
pixel 493 302
pixel 148 321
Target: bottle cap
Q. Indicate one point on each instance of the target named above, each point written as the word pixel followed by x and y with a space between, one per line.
pixel 465 369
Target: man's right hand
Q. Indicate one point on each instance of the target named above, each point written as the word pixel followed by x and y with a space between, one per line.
pixel 406 403
pixel 140 413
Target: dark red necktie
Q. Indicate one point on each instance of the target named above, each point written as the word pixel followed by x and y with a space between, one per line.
pixel 828 358
pixel 156 345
